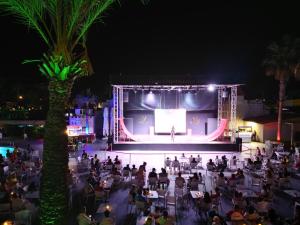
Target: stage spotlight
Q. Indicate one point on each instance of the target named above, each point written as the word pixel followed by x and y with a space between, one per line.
pixel 179 90
pixel 211 87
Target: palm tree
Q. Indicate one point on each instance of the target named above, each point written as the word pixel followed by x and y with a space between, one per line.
pixel 282 62
pixel 63 26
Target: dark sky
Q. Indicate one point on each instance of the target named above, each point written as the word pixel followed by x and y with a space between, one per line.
pixel 223 41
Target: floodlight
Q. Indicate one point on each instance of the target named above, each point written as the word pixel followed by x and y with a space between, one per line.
pixel 211 87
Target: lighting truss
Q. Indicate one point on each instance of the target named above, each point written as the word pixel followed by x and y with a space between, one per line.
pixel 173 87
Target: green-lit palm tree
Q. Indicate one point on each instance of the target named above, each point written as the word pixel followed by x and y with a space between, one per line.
pixel 63 26
pixel 282 62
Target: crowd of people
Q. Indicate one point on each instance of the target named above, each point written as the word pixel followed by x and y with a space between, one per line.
pixel 19 179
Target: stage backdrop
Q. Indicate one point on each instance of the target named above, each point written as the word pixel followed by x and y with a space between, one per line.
pixel 200 107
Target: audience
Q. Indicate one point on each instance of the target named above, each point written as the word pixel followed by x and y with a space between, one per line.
pixel 251 216
pixel 211 166
pixel 179 181
pixel 107 220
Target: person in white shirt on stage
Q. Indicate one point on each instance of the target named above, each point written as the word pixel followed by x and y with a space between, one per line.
pixel 173 133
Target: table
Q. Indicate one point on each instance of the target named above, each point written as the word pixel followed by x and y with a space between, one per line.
pixel 106 184
pixel 196 194
pixel 152 195
pixel 262 207
pixel 283 153
pixel 273 161
pixel 32 195
pixel 293 193
pixel 248 193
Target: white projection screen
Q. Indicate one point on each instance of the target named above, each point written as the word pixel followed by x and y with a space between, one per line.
pixel 166 118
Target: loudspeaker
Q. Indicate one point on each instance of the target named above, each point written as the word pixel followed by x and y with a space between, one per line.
pixel 239 142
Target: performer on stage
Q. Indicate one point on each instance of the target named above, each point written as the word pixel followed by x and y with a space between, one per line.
pixel 173 133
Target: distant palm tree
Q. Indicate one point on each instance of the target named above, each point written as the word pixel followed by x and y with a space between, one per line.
pixel 63 26
pixel 282 62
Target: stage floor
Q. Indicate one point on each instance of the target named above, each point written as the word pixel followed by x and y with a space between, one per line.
pixel 165 141
pixel 212 146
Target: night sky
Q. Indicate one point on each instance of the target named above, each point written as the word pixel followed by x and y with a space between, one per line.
pixel 219 42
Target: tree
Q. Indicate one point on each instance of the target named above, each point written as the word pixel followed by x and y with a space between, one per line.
pixel 63 26
pixel 282 62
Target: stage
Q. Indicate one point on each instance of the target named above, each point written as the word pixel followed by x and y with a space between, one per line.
pixel 174 118
pixel 198 147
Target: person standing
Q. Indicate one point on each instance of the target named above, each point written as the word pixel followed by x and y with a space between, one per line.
pixel 173 133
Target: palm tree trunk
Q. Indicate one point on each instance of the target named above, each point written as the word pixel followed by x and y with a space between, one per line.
pixel 54 189
pixel 280 105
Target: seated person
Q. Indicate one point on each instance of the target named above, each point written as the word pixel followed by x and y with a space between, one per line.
pixel 269 177
pixel 211 166
pixel 117 162
pixel 116 172
pixel 251 216
pixel 257 163
pixel 107 220
pixel 194 177
pixel 93 179
pixel 258 152
pixel 239 174
pixel 269 164
pixel 134 170
pixel 250 164
pixel 221 180
pixel 176 164
pixel 200 177
pixel 198 159
pixel 224 163
pixel 263 152
pixel 193 163
pixel 285 160
pixel 217 193
pixel 179 181
pixel 274 155
pixel 17 203
pixel 127 167
pixel 206 203
pixel 116 159
pixel 235 214
pixel 266 192
pixel 232 181
pixel 152 174
pixel 239 200
pixel 84 219
pixel 157 213
pixel 164 219
pixel 84 155
pixel 191 159
pixel 109 162
pixel 163 177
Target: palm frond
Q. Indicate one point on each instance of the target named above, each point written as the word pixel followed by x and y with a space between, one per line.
pixel 93 14
pixel 74 17
pixel 27 12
